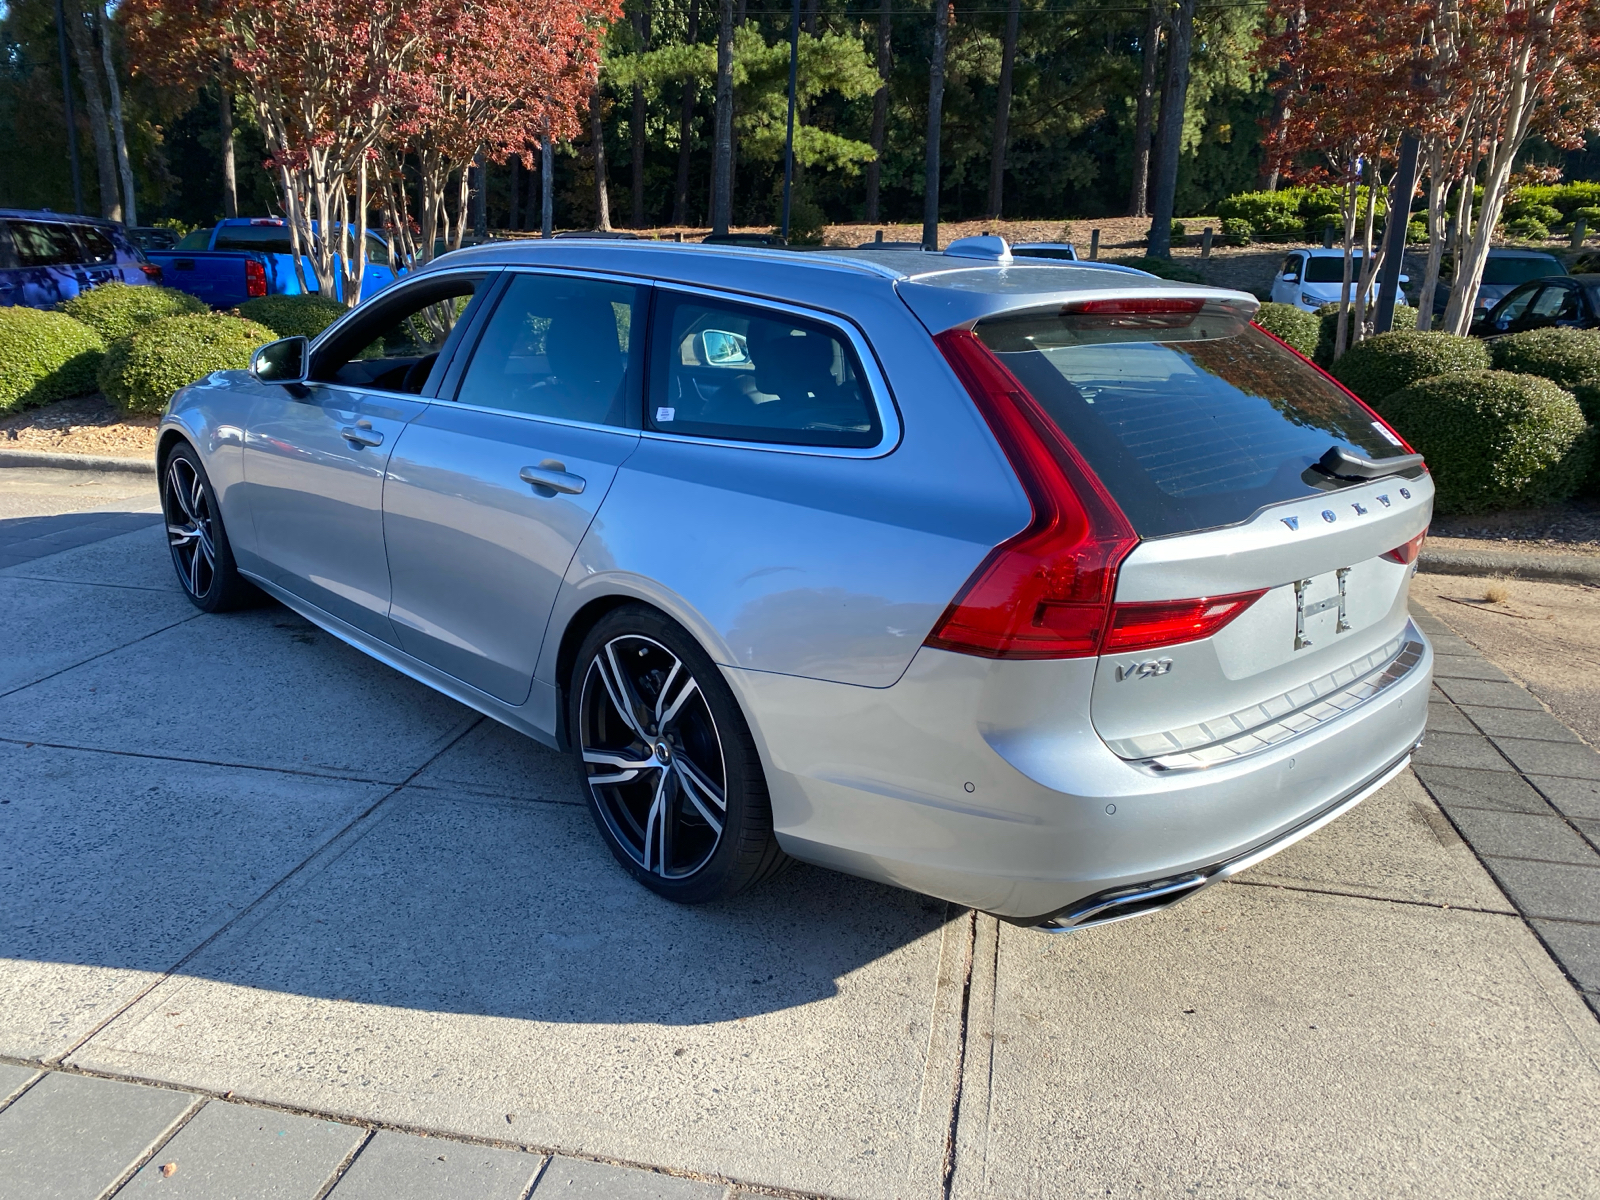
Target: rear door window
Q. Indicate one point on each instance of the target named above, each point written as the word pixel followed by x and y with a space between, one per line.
pixel 1497 272
pixel 1193 426
pixel 97 247
pixel 266 239
pixel 748 374
pixel 43 244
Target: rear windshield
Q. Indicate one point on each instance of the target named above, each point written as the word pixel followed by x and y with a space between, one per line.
pixel 1500 271
pixel 268 239
pixel 1325 269
pixel 1187 430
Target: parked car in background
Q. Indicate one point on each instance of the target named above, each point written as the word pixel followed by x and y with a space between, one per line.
pixel 46 257
pixel 1062 251
pixel 1308 279
pixel 1569 300
pixel 1502 271
pixel 244 257
pixel 1053 591
pixel 153 237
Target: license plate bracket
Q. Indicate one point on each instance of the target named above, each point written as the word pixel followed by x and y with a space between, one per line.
pixel 1304 609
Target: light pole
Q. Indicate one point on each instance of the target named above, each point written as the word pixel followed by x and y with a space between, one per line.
pixel 788 141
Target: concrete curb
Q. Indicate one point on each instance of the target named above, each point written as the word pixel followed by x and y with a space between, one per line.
pixel 77 462
pixel 1564 568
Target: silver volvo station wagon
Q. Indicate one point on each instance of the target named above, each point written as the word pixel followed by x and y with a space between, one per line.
pixel 1054 591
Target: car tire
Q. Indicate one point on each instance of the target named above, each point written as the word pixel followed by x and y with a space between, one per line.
pixel 196 537
pixel 671 773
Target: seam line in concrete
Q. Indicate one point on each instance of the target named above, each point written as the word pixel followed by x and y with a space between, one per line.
pixel 345 1164
pixel 22 687
pixel 123 587
pixel 1294 887
pixel 260 900
pixel 155 1148
pixel 948 1167
pixel 232 766
pixel 24 1089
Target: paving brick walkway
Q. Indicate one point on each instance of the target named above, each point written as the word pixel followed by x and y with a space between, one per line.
pixel 1524 791
pixel 73 1137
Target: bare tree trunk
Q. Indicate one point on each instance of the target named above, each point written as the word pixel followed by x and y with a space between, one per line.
pixel 1352 196
pixel 94 100
pixel 119 134
pixel 230 179
pixel 1002 112
pixel 1174 101
pixel 930 176
pixel 641 25
pixel 514 216
pixel 547 192
pixel 1144 118
pixel 1438 196
pixel 1370 261
pixel 480 195
pixel 680 191
pixel 880 109
pixel 722 152
pixel 597 155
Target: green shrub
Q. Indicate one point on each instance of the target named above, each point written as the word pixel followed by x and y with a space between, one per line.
pixel 44 356
pixel 142 370
pixel 1528 228
pixel 1293 325
pixel 1523 209
pixel 115 310
pixel 293 316
pixel 1565 197
pixel 1563 356
pixel 1416 233
pixel 1237 231
pixel 1587 394
pixel 1380 366
pixel 1163 267
pixel 1177 232
pixel 1405 317
pixel 1590 215
pixel 1493 439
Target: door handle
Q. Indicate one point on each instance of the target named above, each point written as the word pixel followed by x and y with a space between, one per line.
pixel 362 434
pixel 554 475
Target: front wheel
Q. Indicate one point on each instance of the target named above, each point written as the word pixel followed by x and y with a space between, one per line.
pixel 672 774
pixel 195 536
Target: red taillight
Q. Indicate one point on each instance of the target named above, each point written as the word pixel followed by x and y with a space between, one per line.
pixel 1047 591
pixel 1132 312
pixel 255 279
pixel 1132 304
pixel 1144 625
pixel 1408 552
pixel 151 272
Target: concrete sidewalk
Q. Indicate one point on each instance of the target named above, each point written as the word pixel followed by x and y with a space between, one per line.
pixel 261 891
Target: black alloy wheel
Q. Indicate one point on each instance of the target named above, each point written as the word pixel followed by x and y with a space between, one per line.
pixel 199 544
pixel 672 774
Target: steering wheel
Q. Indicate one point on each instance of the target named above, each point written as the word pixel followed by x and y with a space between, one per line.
pixel 417 374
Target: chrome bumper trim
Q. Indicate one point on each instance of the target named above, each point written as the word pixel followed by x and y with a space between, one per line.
pixel 1107 908
pixel 1273 722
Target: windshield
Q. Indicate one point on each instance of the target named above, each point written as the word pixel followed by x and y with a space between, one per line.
pixel 1501 271
pixel 1331 270
pixel 1187 432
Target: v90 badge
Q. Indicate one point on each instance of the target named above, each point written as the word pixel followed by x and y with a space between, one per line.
pixel 1147 669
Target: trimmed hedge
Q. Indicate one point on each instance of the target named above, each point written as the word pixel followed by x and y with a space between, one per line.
pixel 293 316
pixel 142 371
pixel 1380 366
pixel 115 310
pixel 1563 356
pixel 45 356
pixel 1530 229
pixel 1294 325
pixel 1405 317
pixel 1588 397
pixel 1164 267
pixel 1493 439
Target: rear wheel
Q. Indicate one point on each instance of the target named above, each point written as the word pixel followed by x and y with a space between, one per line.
pixel 199 544
pixel 672 774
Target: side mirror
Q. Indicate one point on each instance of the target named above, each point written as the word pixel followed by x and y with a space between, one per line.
pixel 1291 277
pixel 1405 279
pixel 287 361
pixel 724 349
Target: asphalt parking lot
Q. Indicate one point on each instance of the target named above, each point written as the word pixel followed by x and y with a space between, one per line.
pixel 290 923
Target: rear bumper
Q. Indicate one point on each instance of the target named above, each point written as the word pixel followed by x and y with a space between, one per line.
pixel 985 783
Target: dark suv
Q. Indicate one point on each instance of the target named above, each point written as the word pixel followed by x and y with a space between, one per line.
pixel 47 257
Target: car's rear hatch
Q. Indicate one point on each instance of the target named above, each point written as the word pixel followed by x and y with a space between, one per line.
pixel 1257 489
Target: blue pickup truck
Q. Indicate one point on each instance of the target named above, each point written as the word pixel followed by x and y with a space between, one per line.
pixel 47 257
pixel 244 257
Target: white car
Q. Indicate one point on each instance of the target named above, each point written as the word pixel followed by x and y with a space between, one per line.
pixel 1308 279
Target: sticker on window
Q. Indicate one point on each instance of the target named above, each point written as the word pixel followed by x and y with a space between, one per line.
pixel 1383 432
pixel 663 415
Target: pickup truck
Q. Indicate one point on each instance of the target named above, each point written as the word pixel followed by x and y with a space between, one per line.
pixel 244 257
